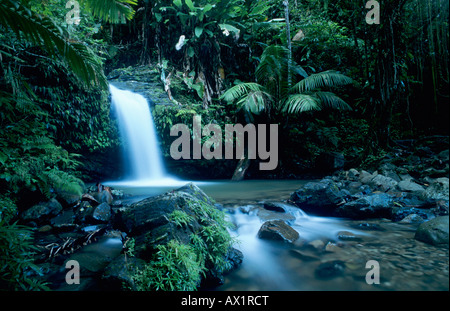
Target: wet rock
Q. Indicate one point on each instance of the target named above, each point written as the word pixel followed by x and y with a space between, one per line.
pixel 277 230
pixel 366 226
pixel 434 231
pixel 382 183
pixel 118 274
pixel 102 213
pixel 377 205
pixel 412 219
pixel 69 198
pixel 64 221
pixel 319 198
pixel 438 190
pixel 275 206
pixel 332 247
pixel 42 212
pixel 266 215
pixel 316 244
pixel 304 255
pixel 347 236
pixel 366 177
pixel 390 170
pixel 353 174
pixel 410 186
pixel 330 269
pixel 151 223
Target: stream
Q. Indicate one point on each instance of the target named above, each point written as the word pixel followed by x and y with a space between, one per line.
pixel 331 253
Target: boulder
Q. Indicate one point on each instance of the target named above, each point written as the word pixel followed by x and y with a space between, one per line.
pixel 319 198
pixel 102 213
pixel 382 183
pixel 412 219
pixel 42 212
pixel 118 274
pixel 64 221
pixel 366 177
pixel 277 230
pixel 376 205
pixel 185 215
pixel 275 206
pixel 438 190
pixel 434 232
pixel 410 186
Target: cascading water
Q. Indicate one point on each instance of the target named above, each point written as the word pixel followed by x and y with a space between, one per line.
pixel 143 159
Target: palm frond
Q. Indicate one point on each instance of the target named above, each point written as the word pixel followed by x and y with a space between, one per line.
pixel 274 69
pixel 43 32
pixel 319 80
pixel 331 100
pixel 255 102
pixel 111 11
pixel 299 103
pixel 240 90
pixel 251 97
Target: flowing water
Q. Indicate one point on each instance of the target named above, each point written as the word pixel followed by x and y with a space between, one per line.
pixel 144 162
pixel 331 253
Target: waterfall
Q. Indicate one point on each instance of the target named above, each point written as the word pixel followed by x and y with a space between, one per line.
pixel 142 155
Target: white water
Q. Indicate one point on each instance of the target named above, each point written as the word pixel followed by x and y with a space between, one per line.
pixel 263 265
pixel 143 159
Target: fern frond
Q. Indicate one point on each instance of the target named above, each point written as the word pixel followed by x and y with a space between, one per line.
pixel 43 32
pixel 331 100
pixel 240 90
pixel 322 79
pixel 111 10
pixel 255 102
pixel 298 103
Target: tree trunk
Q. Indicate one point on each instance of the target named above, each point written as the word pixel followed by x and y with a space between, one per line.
pixel 387 69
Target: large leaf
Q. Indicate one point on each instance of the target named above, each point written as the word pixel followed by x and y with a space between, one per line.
pixel 41 31
pixel 198 31
pixel 190 5
pixel 299 103
pixel 111 11
pixel 242 89
pixel 322 79
pixel 331 100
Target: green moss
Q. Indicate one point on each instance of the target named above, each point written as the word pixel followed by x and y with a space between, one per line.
pixel 180 266
pixel 176 267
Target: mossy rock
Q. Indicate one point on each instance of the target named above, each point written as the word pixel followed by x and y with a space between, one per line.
pixel 186 217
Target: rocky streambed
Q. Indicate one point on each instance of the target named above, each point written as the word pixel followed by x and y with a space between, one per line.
pixel 325 235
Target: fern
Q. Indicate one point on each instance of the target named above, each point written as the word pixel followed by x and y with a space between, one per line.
pixel 320 80
pixel 274 74
pixel 42 31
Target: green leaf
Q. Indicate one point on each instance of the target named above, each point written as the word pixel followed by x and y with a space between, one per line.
pixel 178 3
pixel 191 52
pixel 229 28
pixel 190 5
pixel 3 158
pixel 198 31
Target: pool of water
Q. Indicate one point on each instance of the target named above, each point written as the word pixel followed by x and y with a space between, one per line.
pixel 331 253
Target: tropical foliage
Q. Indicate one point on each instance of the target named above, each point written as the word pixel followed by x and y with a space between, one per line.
pixel 275 90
